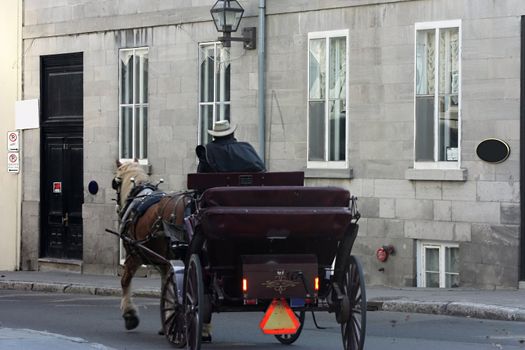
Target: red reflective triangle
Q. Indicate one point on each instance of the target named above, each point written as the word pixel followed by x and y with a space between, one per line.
pixel 279 319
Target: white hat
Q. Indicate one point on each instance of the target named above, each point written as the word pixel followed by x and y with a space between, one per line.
pixel 222 128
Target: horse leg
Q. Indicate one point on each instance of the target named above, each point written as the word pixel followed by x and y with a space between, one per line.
pixel 129 310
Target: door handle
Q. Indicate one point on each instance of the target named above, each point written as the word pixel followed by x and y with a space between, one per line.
pixel 65 220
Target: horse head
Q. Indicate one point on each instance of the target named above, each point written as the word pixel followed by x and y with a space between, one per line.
pixel 128 175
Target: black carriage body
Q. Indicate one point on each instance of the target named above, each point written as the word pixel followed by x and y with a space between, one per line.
pixel 256 232
pixel 255 238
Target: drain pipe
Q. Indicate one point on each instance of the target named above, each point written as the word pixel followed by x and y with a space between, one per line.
pixel 261 46
pixel 522 157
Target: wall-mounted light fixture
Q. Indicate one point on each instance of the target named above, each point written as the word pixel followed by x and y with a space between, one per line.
pixel 227 15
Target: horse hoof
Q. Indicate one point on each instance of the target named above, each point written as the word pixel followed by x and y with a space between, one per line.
pixel 131 320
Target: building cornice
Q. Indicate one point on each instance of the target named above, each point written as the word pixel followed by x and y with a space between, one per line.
pixel 182 16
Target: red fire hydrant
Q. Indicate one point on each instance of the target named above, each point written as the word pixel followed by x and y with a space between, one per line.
pixel 383 252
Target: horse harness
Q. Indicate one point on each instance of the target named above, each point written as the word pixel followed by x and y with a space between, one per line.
pixel 140 199
pixel 116 184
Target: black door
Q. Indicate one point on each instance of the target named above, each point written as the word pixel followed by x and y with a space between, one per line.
pixel 62 193
pixel 63 196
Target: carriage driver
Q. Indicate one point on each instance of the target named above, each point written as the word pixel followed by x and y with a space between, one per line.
pixel 225 154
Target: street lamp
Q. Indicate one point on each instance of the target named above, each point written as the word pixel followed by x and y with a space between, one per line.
pixel 227 15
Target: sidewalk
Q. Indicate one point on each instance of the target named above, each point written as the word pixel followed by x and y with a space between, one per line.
pixel 489 304
pixel 35 340
pixel 65 282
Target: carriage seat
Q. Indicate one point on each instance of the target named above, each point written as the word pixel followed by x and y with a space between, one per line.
pixel 204 181
pixel 275 196
pixel 275 212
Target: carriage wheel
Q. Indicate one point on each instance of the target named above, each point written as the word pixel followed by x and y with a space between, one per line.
pixel 290 338
pixel 193 301
pixel 172 313
pixel 353 286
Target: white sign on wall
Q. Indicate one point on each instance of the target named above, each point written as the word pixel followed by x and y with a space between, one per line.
pixel 13 141
pixel 26 113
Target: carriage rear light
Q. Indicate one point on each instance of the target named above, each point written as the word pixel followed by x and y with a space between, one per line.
pixel 250 301
pixel 316 284
pixel 245 285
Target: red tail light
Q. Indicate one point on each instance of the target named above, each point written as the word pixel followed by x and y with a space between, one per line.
pixel 245 285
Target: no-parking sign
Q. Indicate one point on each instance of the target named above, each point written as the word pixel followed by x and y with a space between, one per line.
pixel 13 162
pixel 13 141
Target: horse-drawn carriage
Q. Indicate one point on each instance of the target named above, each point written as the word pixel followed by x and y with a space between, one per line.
pixel 257 242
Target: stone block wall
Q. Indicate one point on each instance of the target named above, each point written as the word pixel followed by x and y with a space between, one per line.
pixel 398 209
pixel 173 108
pixel 477 207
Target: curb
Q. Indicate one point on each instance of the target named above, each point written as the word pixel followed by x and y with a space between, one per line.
pixel 72 288
pixel 463 309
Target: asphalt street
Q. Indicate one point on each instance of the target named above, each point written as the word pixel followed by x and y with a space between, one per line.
pixel 96 320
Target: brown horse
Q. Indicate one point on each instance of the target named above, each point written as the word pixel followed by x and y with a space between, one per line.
pixel 149 228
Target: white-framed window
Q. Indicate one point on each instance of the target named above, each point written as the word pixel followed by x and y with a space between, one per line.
pixel 327 109
pixel 133 104
pixel 437 131
pixel 214 87
pixel 437 264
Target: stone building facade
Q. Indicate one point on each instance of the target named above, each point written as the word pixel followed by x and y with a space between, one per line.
pixel 10 64
pixel 416 85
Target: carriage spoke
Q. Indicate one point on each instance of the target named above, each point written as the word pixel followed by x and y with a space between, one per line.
pixel 357 324
pixel 348 337
pixel 168 308
pixel 171 326
pixel 193 296
pixel 171 292
pixel 190 299
pixel 171 315
pixel 353 331
pixel 169 319
pixel 175 334
pixel 191 282
pixel 356 337
pixel 351 335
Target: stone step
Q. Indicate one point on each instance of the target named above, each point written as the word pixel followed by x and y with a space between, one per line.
pixel 63 265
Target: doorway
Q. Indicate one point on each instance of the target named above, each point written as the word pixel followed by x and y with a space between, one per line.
pixel 61 186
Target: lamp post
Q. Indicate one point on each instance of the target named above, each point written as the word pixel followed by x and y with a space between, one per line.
pixel 227 15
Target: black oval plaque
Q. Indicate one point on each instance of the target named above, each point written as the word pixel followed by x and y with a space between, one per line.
pixel 93 187
pixel 493 150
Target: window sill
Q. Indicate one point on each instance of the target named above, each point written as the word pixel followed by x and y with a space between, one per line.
pixel 329 173
pixel 436 174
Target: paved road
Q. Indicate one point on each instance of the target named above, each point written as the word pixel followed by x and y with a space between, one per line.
pixel 97 319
